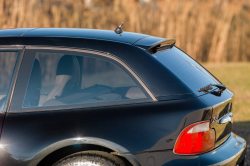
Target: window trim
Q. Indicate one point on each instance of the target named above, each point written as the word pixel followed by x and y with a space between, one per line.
pixel 97 53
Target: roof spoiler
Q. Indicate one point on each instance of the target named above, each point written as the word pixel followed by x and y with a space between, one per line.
pixel 163 45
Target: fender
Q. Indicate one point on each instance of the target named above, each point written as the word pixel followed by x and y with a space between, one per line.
pixel 84 140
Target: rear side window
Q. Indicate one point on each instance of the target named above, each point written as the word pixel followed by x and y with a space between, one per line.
pixel 7 65
pixel 65 79
pixel 185 68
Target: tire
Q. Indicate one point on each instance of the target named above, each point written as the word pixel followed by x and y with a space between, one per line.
pixel 91 158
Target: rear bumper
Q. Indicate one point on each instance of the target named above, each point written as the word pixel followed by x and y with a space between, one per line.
pixel 232 152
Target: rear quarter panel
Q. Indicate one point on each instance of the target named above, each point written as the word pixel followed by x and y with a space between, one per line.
pixel 136 127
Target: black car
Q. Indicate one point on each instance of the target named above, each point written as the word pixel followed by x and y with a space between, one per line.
pixel 95 97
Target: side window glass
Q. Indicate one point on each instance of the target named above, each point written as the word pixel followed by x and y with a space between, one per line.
pixel 62 79
pixel 7 65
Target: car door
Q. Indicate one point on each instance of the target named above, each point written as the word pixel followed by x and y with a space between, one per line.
pixel 8 65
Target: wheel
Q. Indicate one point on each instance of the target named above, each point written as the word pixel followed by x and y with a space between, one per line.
pixel 91 158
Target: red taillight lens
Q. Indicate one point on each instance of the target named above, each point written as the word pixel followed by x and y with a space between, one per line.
pixel 194 139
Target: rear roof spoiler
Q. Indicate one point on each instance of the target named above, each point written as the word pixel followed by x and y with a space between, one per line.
pixel 163 45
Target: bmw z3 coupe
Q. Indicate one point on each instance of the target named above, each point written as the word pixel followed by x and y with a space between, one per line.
pixel 86 97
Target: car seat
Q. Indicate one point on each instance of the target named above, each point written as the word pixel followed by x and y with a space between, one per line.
pixel 67 78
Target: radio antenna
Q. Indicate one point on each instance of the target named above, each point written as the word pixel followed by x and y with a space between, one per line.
pixel 119 30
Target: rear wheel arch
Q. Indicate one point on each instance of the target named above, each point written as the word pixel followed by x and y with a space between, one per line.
pixel 61 149
pixel 61 153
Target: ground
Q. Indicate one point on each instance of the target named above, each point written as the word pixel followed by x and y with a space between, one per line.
pixel 236 76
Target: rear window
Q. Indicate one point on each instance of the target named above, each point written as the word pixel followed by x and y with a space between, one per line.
pixel 185 68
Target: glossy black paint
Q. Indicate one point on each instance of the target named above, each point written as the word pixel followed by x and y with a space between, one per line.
pixel 106 35
pixel 146 130
pixel 221 106
pixel 14 32
pixel 129 126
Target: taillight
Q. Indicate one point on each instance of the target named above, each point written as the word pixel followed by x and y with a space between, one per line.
pixel 194 139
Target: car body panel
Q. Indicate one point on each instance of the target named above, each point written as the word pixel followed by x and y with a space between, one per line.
pixel 38 130
pixel 222 105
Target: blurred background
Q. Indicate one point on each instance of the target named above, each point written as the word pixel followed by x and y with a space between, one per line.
pixel 215 32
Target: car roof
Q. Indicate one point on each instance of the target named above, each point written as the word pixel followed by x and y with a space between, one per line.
pixel 131 48
pixel 108 35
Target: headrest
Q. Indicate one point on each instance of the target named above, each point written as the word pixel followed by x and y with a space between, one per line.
pixel 67 65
